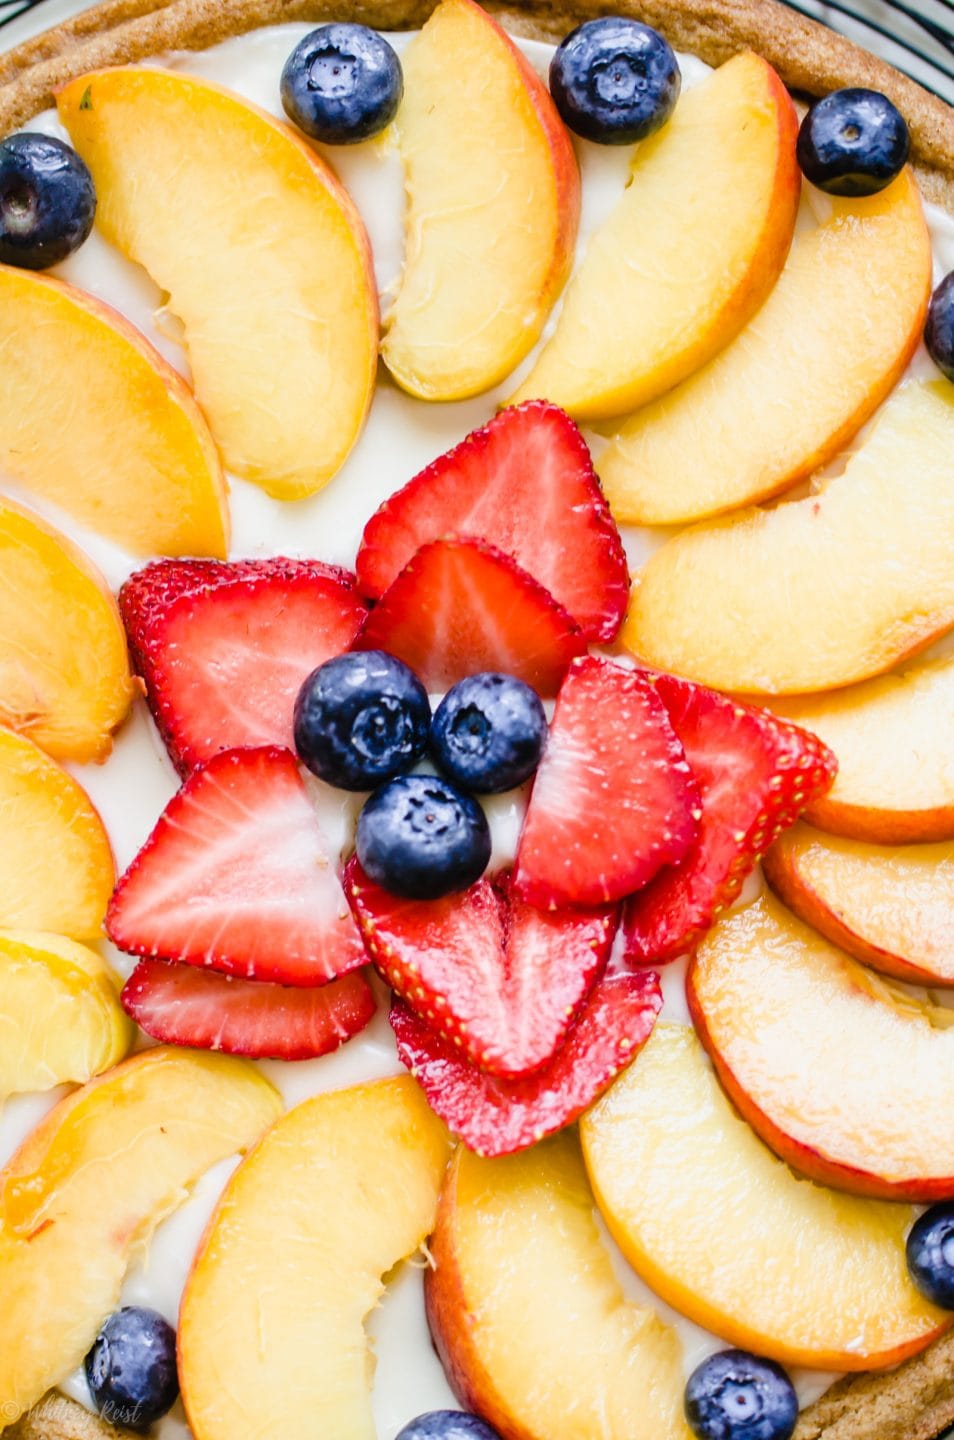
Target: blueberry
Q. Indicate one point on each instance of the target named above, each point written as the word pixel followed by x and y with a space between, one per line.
pixel 47 201
pixel 447 1425
pixel 421 837
pixel 930 1252
pixel 854 142
pixel 342 83
pixel 131 1368
pixel 488 733
pixel 737 1396
pixel 361 719
pixel 939 330
pixel 614 80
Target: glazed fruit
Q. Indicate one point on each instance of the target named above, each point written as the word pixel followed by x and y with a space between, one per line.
pixel 361 719
pixel 47 201
pixel 939 330
pixel 930 1251
pixel 342 83
pixel 733 1395
pixel 131 1368
pixel 853 142
pixel 488 733
pixel 421 837
pixel 614 80
pixel 447 1425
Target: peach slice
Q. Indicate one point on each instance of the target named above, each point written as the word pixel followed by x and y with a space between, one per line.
pixel 266 264
pixel 60 1016
pixel 819 592
pixel 64 668
pixel 895 781
pixel 723 438
pixel 724 1231
pixel 132 457
pixel 842 1073
pixel 690 252
pixel 493 208
pixel 56 866
pixel 271 1329
pixel 555 1352
pixel 87 1189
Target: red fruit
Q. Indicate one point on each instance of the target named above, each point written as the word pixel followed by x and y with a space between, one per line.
pixel 461 606
pixel 224 648
pixel 498 979
pixel 755 774
pixel 237 876
pixel 495 1116
pixel 613 799
pixel 180 1005
pixel 525 483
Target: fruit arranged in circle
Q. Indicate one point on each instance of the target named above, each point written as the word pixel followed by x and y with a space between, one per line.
pixel 64 671
pixel 267 265
pixel 733 1395
pixel 930 1251
pixel 845 1075
pixel 55 861
pixel 488 733
pixel 614 80
pixel 237 876
pixel 89 1186
pixel 342 84
pixel 131 1368
pixel 853 142
pixel 224 648
pixel 631 327
pixel 447 1425
pixel 668 1157
pixel 558 1349
pixel 271 1329
pixel 819 592
pixel 136 462
pixel 493 195
pixel 939 330
pixel 716 442
pixel 47 201
pixel 421 837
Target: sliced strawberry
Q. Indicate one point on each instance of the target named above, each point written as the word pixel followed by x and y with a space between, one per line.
pixel 525 483
pixel 224 648
pixel 755 774
pixel 494 1116
pixel 500 980
pixel 237 875
pixel 613 799
pixel 180 1005
pixel 461 606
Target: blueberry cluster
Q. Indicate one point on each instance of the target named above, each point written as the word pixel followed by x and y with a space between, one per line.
pixel 363 721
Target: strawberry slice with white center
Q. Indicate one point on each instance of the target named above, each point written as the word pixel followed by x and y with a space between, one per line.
pixel 756 774
pixel 223 648
pixel 237 876
pixel 614 799
pixel 500 980
pixel 460 607
pixel 202 1010
pixel 525 483
pixel 494 1116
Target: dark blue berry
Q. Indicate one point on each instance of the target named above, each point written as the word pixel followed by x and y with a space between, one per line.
pixel 421 837
pixel 614 80
pixel 447 1425
pixel 488 733
pixel 737 1396
pixel 854 142
pixel 342 83
pixel 930 1251
pixel 361 719
pixel 939 330
pixel 131 1368
pixel 47 201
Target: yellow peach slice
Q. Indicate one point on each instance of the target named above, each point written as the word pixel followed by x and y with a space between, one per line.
pixel 819 592
pixel 56 865
pixel 726 1233
pixel 798 382
pixel 265 261
pixel 122 446
pixel 271 1329
pixel 690 252
pixel 493 207
pixel 530 1322
pixel 84 1193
